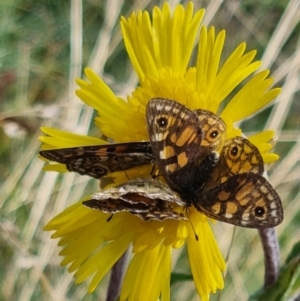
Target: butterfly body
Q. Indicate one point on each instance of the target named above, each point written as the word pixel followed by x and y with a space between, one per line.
pixel 192 178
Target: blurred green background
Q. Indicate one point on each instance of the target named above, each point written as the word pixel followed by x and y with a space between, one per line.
pixel 44 45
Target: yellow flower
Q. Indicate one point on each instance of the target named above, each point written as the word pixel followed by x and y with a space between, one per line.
pixel 160 51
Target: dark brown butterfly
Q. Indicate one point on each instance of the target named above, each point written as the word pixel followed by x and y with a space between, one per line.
pixel 185 149
pixel 225 183
pixel 99 160
pixel 228 186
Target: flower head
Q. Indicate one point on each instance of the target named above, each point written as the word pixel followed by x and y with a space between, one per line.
pixel 160 49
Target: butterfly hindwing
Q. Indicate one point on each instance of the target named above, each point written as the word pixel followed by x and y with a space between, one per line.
pixel 238 156
pixel 245 200
pixel 237 193
pixel 147 199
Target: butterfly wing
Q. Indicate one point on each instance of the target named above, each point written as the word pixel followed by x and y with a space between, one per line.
pixel 213 133
pixel 99 160
pixel 175 137
pixel 111 204
pixel 148 200
pixel 245 200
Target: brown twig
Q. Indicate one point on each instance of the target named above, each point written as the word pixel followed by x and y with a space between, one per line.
pixel 271 253
pixel 116 278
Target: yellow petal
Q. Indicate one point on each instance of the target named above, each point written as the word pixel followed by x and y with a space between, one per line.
pixel 148 45
pixel 56 167
pixel 261 137
pixel 251 98
pixel 208 59
pixel 102 261
pixel 269 158
pixel 62 139
pixel 156 264
pixel 205 259
pixel 264 141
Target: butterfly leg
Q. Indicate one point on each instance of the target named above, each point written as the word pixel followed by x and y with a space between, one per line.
pixel 110 217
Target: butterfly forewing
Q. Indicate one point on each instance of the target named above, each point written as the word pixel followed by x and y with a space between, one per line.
pixel 99 160
pixel 174 132
pixel 213 133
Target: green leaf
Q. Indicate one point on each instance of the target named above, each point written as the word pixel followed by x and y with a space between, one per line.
pixel 179 277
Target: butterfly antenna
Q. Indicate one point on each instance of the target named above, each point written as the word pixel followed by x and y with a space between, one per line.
pixel 123 169
pixel 196 236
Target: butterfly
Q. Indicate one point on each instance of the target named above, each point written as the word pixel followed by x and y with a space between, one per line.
pixel 145 198
pixel 184 149
pixel 188 148
pixel 226 185
pixel 99 160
